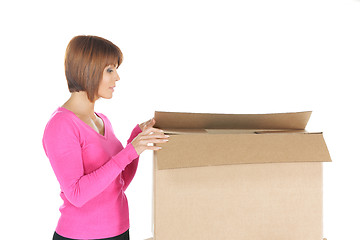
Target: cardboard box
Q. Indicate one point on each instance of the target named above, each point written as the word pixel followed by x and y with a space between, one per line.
pixel 238 176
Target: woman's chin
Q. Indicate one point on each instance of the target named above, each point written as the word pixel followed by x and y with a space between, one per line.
pixel 106 96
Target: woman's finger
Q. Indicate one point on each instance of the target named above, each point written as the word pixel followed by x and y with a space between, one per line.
pixel 146 142
pixel 153 148
pixel 155 135
pixel 157 140
pixel 152 129
pixel 148 124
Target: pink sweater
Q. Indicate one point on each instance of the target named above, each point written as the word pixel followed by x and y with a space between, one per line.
pixel 93 171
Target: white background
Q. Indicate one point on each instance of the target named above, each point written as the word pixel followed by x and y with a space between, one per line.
pixel 189 56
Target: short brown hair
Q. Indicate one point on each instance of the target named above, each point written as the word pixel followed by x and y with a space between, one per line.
pixel 86 57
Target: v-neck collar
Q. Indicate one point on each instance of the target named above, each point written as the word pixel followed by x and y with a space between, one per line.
pixel 98 114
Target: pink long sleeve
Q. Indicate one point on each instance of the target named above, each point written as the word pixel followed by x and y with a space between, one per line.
pixel 88 167
pixel 130 170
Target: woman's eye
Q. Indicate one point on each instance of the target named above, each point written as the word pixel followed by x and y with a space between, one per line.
pixel 109 70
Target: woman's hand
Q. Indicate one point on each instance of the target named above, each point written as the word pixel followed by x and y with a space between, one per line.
pixel 148 135
pixel 149 122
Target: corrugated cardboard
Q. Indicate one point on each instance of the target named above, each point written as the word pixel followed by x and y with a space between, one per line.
pixel 238 176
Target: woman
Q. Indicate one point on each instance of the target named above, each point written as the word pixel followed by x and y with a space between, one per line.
pixel 90 163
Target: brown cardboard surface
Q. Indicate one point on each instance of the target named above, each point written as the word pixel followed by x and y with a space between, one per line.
pixel 245 201
pixel 182 131
pixel 193 150
pixel 291 120
pixel 238 176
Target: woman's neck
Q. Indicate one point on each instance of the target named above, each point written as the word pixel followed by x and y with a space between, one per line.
pixel 80 104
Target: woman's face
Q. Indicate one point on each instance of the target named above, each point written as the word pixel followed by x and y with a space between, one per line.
pixel 107 83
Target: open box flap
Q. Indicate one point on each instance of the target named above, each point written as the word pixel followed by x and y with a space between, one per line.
pixel 184 120
pixel 196 150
